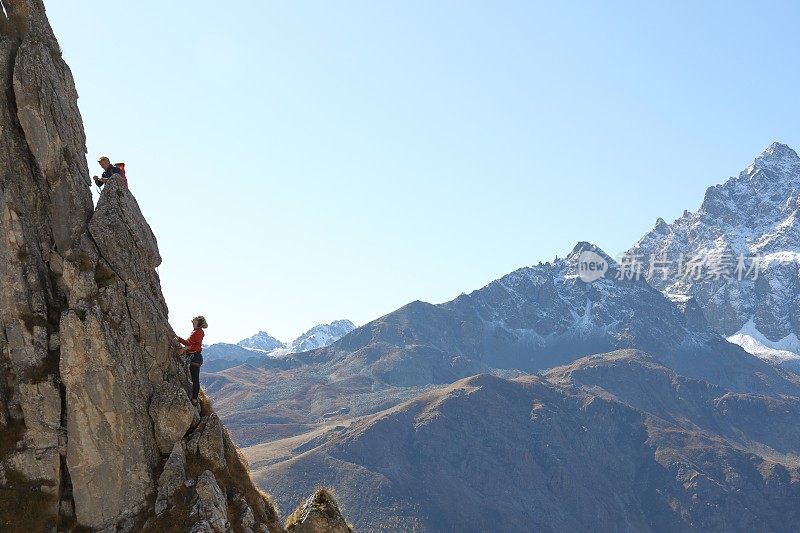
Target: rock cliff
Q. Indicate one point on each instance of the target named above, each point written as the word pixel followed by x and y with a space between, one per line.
pixel 96 428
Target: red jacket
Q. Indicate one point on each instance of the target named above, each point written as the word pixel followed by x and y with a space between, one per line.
pixel 195 341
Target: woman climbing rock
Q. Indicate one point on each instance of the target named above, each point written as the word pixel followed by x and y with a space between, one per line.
pixel 194 352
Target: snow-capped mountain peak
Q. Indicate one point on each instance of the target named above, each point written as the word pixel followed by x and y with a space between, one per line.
pixel 321 335
pixel 584 246
pixel 778 157
pixel 753 218
pixel 765 192
pixel 580 250
pixel 262 342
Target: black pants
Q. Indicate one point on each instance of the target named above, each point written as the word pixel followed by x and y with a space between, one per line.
pixel 195 360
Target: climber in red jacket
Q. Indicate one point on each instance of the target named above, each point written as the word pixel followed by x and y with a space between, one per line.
pixel 194 352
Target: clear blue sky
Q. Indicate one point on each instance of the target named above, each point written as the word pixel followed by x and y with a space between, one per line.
pixel 301 162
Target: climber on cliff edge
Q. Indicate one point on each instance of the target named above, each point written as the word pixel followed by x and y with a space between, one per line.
pixel 108 171
pixel 194 352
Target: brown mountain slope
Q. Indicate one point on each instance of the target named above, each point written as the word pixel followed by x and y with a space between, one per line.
pixel 530 320
pixel 653 452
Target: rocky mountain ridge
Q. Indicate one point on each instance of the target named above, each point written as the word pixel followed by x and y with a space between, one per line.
pixel 96 429
pixel 321 335
pixel 262 342
pixel 318 336
pixel 752 216
pixel 253 349
pixel 531 320
pixel 536 318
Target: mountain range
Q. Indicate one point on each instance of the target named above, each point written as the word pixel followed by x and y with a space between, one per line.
pixel 622 403
pixel 222 355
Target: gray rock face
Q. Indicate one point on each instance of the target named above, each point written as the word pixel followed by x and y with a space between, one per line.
pixel 79 369
pixel 210 445
pixel 172 414
pixel 247 519
pixel 318 514
pixel 211 506
pixel 754 214
pixel 91 393
pixel 172 477
pixel 202 527
pixel 38 160
pixel 110 445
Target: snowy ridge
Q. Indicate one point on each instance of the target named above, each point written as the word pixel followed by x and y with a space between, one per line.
pixel 264 345
pixel 548 309
pixel 261 342
pixel 317 337
pixel 753 341
pixel 755 215
pixel 321 335
pixel 748 214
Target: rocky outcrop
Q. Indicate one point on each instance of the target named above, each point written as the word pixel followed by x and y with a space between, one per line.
pixel 172 478
pixel 210 445
pixel 172 414
pixel 196 493
pixel 318 514
pixel 92 396
pixel 211 505
pixel 44 209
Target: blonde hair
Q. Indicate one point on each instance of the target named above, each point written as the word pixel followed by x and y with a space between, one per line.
pixel 201 321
